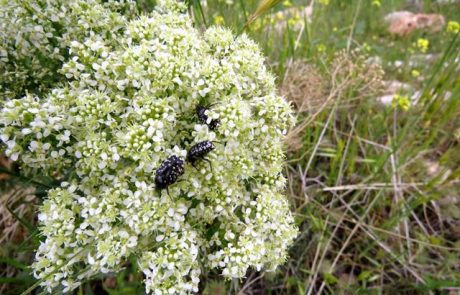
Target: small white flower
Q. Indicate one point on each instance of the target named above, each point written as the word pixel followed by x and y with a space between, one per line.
pixel 91 260
pixel 33 145
pixel 4 137
pixel 26 131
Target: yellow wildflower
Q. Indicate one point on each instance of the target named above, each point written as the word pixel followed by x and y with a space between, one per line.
pixel 219 20
pixel 367 47
pixel 415 73
pixel 258 24
pixel 376 3
pixel 453 27
pixel 295 20
pixel 280 15
pixel 321 47
pixel 401 101
pixel 423 44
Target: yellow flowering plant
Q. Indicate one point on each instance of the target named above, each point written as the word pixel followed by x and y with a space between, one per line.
pixel 453 27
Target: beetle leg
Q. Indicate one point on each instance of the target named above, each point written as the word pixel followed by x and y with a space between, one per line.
pixel 194 165
pixel 167 191
pixel 209 162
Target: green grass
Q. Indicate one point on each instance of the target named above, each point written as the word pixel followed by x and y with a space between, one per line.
pixel 375 189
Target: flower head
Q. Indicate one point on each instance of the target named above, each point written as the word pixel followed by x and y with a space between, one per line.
pixel 423 44
pixel 376 3
pixel 453 27
pixel 128 104
pixel 401 101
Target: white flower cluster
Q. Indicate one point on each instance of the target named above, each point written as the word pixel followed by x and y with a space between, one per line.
pixel 35 36
pixel 129 104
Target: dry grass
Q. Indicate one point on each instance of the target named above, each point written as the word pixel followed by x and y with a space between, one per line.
pixel 349 80
pixel 305 86
pixel 263 7
pixel 363 79
pixel 364 224
pixel 4 163
pixel 17 205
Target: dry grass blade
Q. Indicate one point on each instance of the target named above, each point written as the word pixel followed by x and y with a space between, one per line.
pixel 264 6
pixel 19 199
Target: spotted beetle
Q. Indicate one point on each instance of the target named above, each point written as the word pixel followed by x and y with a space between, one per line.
pixel 199 151
pixel 201 113
pixel 168 172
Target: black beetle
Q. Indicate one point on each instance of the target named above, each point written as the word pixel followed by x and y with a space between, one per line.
pixel 201 113
pixel 168 172
pixel 199 151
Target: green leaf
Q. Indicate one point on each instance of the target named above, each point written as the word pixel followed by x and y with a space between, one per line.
pixel 13 262
pixel 364 275
pixel 330 278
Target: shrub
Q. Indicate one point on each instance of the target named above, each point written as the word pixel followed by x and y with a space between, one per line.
pixel 129 104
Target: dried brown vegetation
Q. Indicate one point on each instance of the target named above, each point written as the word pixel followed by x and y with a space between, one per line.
pixel 4 163
pixel 17 205
pixel 349 75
